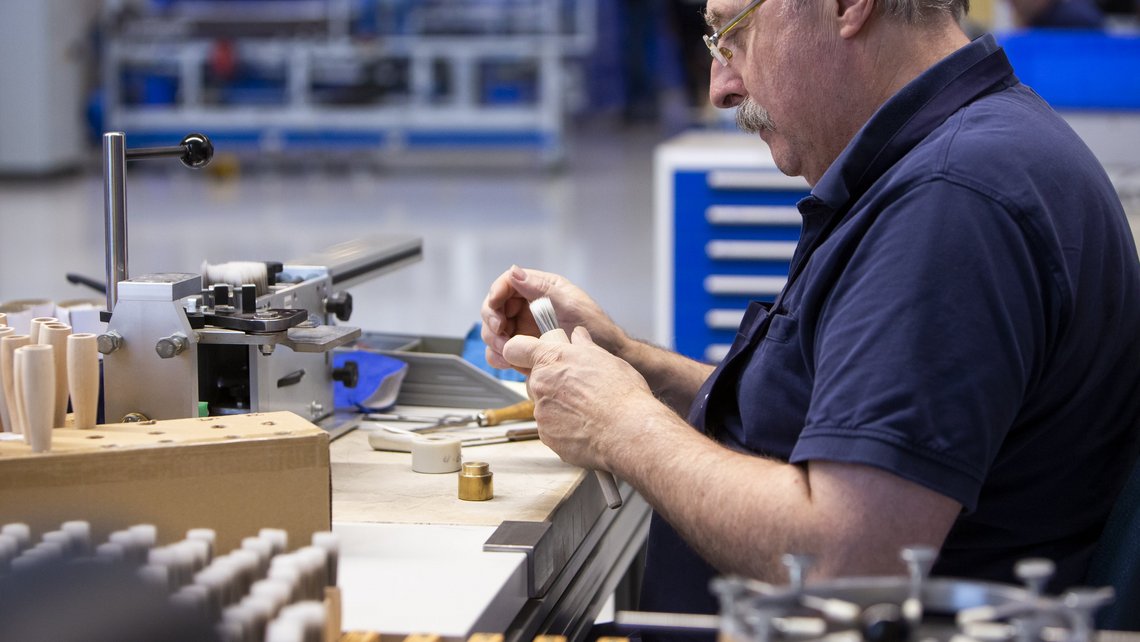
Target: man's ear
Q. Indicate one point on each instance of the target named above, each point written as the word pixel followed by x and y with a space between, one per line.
pixel 853 16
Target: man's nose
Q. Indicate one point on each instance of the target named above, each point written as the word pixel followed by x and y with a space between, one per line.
pixel 726 88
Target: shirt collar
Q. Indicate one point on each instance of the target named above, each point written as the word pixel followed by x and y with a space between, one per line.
pixel 910 115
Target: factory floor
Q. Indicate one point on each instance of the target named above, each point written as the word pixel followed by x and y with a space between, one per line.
pixel 590 219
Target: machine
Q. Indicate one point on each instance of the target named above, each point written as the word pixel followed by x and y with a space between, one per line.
pixel 176 341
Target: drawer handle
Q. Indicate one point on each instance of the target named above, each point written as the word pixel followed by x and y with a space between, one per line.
pixel 752 179
pixel 756 286
pixel 714 352
pixel 753 215
pixel 754 250
pixel 723 319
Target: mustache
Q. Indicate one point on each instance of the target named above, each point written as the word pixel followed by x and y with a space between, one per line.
pixel 752 118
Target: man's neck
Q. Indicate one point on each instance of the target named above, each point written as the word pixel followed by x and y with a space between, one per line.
pixel 884 61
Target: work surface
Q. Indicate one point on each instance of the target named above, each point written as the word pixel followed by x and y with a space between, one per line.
pixel 413 558
pixel 372 486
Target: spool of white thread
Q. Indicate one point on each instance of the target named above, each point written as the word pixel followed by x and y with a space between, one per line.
pixel 436 454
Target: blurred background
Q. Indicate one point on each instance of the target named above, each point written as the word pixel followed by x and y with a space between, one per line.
pixel 499 131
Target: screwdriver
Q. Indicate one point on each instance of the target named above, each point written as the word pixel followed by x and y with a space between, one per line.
pixel 398 440
pixel 521 411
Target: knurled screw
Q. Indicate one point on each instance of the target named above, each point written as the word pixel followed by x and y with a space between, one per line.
pixel 172 346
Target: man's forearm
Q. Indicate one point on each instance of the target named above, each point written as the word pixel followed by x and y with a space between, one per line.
pixel 743 512
pixel 674 379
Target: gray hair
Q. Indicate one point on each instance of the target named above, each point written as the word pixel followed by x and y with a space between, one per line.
pixel 919 11
pixel 912 12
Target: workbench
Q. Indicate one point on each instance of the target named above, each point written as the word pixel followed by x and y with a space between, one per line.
pixel 541 557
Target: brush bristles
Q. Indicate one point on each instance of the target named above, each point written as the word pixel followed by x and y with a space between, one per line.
pixel 237 274
pixel 543 312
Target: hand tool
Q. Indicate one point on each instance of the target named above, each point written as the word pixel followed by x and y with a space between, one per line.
pixel 543 311
pixel 399 440
pixel 521 411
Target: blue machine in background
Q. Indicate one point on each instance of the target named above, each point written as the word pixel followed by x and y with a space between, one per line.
pixel 371 75
pixel 1078 70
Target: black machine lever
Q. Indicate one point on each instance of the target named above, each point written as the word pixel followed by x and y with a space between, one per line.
pixel 194 151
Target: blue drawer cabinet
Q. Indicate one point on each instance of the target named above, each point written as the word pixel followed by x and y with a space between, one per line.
pixel 726 228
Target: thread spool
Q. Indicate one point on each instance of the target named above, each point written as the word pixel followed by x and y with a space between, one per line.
pixel 435 454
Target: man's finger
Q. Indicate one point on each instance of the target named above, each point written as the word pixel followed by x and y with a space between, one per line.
pixel 523 351
pixel 581 336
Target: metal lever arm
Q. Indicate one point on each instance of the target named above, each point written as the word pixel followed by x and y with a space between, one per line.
pixel 194 151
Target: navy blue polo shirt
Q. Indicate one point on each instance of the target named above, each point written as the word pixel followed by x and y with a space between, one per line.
pixel 963 311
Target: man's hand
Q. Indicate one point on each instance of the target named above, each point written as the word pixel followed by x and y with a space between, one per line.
pixel 506 311
pixel 585 398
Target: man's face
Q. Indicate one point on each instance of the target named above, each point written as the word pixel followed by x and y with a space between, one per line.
pixel 778 78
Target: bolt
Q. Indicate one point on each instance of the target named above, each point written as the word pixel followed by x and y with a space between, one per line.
pixel 265 349
pixel 316 409
pixel 171 346
pixel 109 342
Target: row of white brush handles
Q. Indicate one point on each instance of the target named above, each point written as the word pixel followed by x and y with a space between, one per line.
pixel 605 478
pixel 39 372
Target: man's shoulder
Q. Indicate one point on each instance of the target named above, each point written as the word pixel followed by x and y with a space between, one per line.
pixel 1005 142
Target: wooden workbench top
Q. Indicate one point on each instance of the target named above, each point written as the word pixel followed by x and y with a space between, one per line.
pixel 380 487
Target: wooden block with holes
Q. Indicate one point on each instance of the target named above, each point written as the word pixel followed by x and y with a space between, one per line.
pixel 235 474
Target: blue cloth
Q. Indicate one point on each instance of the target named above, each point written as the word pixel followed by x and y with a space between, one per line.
pixel 963 312
pixel 374 370
pixel 475 353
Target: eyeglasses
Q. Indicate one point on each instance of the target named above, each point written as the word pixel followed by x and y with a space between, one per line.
pixel 712 41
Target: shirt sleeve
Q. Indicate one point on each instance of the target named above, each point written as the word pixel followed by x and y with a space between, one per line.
pixel 928 343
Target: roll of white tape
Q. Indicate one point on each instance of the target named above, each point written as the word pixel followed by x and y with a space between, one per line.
pixel 436 454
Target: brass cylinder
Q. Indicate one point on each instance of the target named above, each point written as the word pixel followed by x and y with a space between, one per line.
pixel 475 484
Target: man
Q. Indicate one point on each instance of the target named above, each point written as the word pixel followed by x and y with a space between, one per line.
pixel 955 360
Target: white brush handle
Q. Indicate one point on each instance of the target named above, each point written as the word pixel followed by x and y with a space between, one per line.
pixel 8 347
pixel 83 378
pixel 35 383
pixel 605 478
pixel 55 335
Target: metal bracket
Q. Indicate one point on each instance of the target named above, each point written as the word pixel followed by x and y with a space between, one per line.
pixel 550 545
pixel 527 537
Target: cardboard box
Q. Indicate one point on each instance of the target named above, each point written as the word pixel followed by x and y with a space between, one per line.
pixel 234 474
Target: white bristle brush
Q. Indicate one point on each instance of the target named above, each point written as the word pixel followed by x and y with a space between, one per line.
pixel 542 309
pixel 237 274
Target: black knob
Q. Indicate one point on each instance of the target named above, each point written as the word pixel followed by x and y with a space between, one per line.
pixel 340 304
pixel 348 374
pixel 198 151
